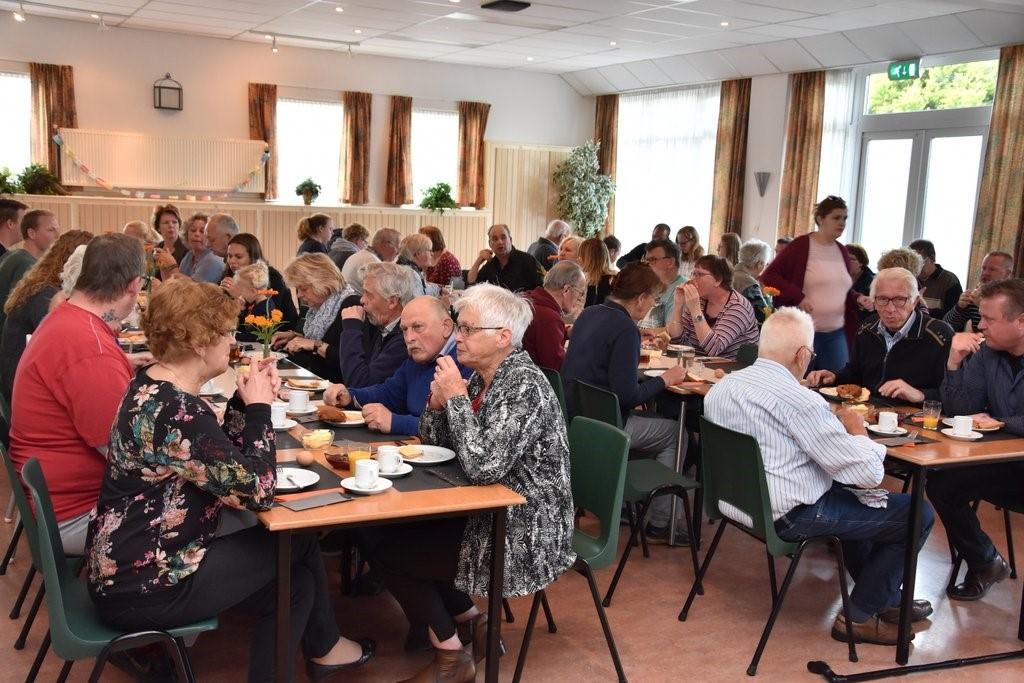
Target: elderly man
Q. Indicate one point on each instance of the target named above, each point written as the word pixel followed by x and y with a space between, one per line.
pixel 11 213
pixel 565 288
pixel 663 258
pixel 545 249
pixel 983 375
pixel 660 232
pixel 996 266
pixel 349 241
pixel 383 249
pixel 220 228
pixel 71 380
pixel 39 229
pixel 394 406
pixel 901 355
pixel 371 350
pixel 940 288
pixel 503 264
pixel 814 463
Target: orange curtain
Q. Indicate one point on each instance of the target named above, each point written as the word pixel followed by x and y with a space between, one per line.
pixel 53 107
pixel 472 124
pixel 606 132
pixel 263 126
pixel 999 219
pixel 799 186
pixel 399 181
pixel 730 159
pixel 357 147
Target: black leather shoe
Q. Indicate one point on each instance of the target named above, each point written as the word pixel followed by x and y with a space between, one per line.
pixel 922 609
pixel 318 672
pixel 977 583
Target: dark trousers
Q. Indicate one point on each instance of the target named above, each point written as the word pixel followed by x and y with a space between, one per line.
pixel 240 570
pixel 953 491
pixel 418 563
pixel 873 539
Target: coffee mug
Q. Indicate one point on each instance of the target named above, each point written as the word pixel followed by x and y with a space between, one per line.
pixel 298 400
pixel 389 459
pixel 963 425
pixel 278 413
pixel 887 422
pixel 366 473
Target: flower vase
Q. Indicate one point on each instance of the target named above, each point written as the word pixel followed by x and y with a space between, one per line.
pixel 266 349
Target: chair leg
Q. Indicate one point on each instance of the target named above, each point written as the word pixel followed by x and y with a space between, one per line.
pixel 40 656
pixel 698 581
pixel 631 518
pixel 507 608
pixel 690 530
pixel 19 644
pixel 1008 525
pixel 12 547
pixel 636 529
pixel 527 634
pixel 771 576
pixel 9 512
pixel 345 566
pixel 641 513
pixel 752 669
pixel 65 670
pixel 584 568
pixel 16 610
pixel 552 627
pixel 844 590
pixel 179 655
pixel 189 674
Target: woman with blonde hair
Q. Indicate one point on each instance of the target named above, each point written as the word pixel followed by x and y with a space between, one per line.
pixel 416 252
pixel 142 232
pixel 29 302
pixel 314 233
pixel 729 248
pixel 690 250
pixel 596 263
pixel 568 249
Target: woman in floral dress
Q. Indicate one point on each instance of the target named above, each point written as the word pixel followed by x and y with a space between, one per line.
pixel 154 560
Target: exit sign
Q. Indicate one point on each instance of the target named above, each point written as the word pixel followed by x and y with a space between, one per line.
pixel 906 70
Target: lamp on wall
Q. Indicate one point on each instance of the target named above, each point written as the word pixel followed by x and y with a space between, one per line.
pixel 167 93
pixel 761 178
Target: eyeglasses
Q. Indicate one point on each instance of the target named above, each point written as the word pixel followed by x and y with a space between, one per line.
pixel 898 301
pixel 699 273
pixel 470 330
pixel 814 355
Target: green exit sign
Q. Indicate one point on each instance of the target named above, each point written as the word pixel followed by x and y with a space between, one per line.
pixel 906 70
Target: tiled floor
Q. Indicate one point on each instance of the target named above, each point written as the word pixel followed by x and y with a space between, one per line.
pixel 715 644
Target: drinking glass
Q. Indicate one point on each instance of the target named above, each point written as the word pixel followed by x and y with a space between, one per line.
pixel 931 413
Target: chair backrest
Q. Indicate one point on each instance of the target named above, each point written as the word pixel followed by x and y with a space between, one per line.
pixel 597 403
pixel 597 461
pixel 734 483
pixel 27 519
pixel 5 421
pixel 556 383
pixel 746 355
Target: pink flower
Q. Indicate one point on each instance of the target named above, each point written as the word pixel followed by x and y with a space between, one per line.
pixel 193 556
pixel 173 517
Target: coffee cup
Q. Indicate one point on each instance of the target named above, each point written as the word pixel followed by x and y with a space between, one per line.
pixel 887 421
pixel 389 459
pixel 366 473
pixel 298 401
pixel 963 425
pixel 278 413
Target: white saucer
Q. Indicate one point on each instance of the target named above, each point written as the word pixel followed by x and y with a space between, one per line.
pixel 973 436
pixel 285 426
pixel 654 373
pixel 349 484
pixel 303 479
pixel 310 409
pixel 899 431
pixel 353 418
pixel 403 469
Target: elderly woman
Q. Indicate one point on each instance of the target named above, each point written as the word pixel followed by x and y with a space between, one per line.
pixel 709 315
pixel 244 250
pixel 506 427
pixel 754 256
pixel 690 250
pixel 568 249
pixel 249 287
pixel 142 232
pixel 596 263
pixel 153 558
pixel 167 222
pixel 314 234
pixel 445 265
pixel 318 284
pixel 200 263
pixel 729 248
pixel 415 251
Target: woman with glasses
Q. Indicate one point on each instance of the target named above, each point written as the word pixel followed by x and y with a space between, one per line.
pixel 506 427
pixel 709 315
pixel 690 250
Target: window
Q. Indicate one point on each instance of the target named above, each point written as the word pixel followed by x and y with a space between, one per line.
pixel 309 136
pixel 435 150
pixel 15 121
pixel 665 162
pixel 949 86
pixel 835 171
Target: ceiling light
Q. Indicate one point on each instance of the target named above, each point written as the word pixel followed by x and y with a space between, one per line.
pixel 339 8
pixel 453 1
pixel 613 43
pixel 19 14
pixel 273 46
pixel 529 59
pixel 724 23
pixel 359 30
pixel 95 16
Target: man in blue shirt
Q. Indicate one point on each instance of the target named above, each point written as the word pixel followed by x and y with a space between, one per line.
pixel 394 406
pixel 983 375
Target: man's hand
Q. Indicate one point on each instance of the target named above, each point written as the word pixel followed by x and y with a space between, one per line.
pixel 967 298
pixel 964 344
pixel 484 256
pixel 897 388
pixel 819 378
pixel 866 303
pixel 337 395
pixel 674 375
pixel 353 313
pixel 853 422
pixel 377 417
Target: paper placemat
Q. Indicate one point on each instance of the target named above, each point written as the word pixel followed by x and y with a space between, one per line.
pixel 422 479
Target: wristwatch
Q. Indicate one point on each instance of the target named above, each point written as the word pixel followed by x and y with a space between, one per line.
pixel 699 318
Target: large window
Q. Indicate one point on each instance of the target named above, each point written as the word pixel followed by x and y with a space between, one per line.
pixel 665 162
pixel 435 150
pixel 309 138
pixel 947 86
pixel 15 121
pixel 836 170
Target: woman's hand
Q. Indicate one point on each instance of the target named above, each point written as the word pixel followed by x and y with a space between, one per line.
pixel 228 285
pixel 806 306
pixel 280 338
pixel 163 258
pixel 297 343
pixel 691 297
pixel 449 379
pixel 260 385
pixel 141 359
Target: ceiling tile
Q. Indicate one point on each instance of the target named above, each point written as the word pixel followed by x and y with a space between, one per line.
pixel 789 56
pixel 785 31
pixel 577 85
pixel 679 69
pixel 595 82
pixel 833 49
pixel 648 73
pixel 882 43
pixel 620 77
pixel 994 28
pixel 713 66
pixel 683 16
pixel 940 34
pixel 748 61
pixel 745 10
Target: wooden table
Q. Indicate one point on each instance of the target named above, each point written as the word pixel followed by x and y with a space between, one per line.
pixel 941 453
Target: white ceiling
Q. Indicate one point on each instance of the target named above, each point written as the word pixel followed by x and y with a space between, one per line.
pixel 597 46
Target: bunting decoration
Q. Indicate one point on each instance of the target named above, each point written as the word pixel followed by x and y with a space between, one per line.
pixel 138 194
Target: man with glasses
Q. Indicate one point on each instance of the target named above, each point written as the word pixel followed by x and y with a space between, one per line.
pixel 663 258
pixel 563 293
pixel 901 355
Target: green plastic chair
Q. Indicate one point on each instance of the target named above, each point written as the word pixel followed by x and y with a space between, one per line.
pixel 597 461
pixel 736 492
pixel 646 479
pixel 76 632
pixel 556 383
pixel 746 355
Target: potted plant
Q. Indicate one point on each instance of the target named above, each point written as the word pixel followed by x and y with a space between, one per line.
pixel 438 197
pixel 308 190
pixel 584 192
pixel 37 179
pixel 8 182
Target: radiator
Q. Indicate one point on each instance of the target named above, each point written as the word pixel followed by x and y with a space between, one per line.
pixel 160 162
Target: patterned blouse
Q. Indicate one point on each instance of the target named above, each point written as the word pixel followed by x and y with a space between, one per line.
pixel 170 469
pixel 442 272
pixel 516 437
pixel 734 327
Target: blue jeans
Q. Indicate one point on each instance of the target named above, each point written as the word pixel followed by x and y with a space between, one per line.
pixel 832 350
pixel 873 542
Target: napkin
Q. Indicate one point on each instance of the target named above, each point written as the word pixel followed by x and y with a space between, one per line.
pixel 873 498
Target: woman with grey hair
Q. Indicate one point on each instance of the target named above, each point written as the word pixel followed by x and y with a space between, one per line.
pixel 506 427
pixel 754 256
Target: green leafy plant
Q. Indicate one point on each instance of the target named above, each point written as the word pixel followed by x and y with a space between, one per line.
pixel 584 192
pixel 308 190
pixel 37 179
pixel 8 182
pixel 438 197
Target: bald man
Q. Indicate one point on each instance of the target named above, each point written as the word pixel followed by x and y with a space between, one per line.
pixel 394 406
pixel 504 265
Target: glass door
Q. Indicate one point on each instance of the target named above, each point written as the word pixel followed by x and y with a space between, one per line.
pixel 887 160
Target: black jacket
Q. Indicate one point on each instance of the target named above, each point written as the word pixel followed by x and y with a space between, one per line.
pixel 919 359
pixel 521 274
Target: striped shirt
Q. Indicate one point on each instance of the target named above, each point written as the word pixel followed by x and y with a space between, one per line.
pixel 734 327
pixel 803 444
